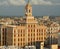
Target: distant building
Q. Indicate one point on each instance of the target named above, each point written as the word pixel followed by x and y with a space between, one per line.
pixel 45 17
pixel 52 33
pixel 53 29
pixel 6 21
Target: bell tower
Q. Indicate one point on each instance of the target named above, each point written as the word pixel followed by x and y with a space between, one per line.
pixel 28 9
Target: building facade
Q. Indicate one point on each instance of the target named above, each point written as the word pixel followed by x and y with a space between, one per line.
pixel 28 32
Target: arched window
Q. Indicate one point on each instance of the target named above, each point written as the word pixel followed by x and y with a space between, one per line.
pixel 29 10
pixel 28 25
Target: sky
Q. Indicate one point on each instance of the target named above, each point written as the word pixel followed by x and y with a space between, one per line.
pixel 40 7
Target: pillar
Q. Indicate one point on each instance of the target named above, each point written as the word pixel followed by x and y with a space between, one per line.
pixel 42 45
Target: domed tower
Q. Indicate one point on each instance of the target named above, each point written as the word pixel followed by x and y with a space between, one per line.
pixel 28 9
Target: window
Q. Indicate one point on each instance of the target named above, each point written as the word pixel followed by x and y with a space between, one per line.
pixel 31 30
pixel 28 39
pixel 41 33
pixel 31 34
pixel 21 31
pixel 21 34
pixel 34 34
pixel 18 35
pixel 34 30
pixel 31 39
pixel 41 38
pixel 31 25
pixel 14 39
pixel 3 29
pixel 41 30
pixel 14 44
pixel 37 38
pixel 29 11
pixel 28 25
pixel 37 30
pixel 34 25
pixel 21 39
pixel 18 44
pixel 18 39
pixel 44 37
pixel 21 43
pixel 37 34
pixel 14 35
pixel 28 34
pixel 28 30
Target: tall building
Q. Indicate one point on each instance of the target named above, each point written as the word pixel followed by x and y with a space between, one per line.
pixel 28 32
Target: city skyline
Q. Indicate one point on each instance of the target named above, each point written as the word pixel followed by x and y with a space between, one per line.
pixel 40 7
pixel 29 31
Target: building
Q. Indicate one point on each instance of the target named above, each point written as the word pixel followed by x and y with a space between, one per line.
pixel 52 34
pixel 53 29
pixel 27 32
pixel 45 18
pixel 6 21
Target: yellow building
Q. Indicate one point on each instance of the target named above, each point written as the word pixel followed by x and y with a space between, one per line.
pixel 28 32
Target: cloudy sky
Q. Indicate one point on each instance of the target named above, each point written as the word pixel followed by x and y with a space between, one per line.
pixel 40 7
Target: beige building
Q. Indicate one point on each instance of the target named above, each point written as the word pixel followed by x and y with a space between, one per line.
pixel 28 32
pixel 53 29
pixel 45 17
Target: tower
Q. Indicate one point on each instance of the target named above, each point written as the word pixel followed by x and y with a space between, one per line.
pixel 28 9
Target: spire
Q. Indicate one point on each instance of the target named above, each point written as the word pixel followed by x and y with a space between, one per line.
pixel 28 1
pixel 28 9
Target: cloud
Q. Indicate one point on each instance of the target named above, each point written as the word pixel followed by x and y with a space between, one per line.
pixel 34 2
pixel 3 3
pixel 17 2
pixel 13 2
pixel 41 2
pixel 57 3
pixel 45 2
